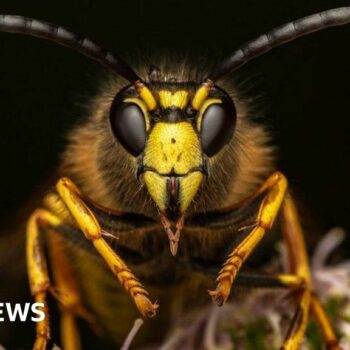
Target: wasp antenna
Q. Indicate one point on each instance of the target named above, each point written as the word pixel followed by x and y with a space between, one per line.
pixel 62 36
pixel 280 36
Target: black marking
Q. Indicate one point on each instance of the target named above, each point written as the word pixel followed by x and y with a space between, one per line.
pixel 235 218
pixel 144 168
pixel 121 223
pixel 173 115
pixel 173 192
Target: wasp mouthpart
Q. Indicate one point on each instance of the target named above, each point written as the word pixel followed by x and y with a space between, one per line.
pixel 173 193
pixel 173 237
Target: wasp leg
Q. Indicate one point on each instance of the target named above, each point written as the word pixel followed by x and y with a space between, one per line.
pixel 275 188
pixel 67 290
pixel 324 324
pixel 297 284
pixel 67 293
pixel 260 280
pixel 37 270
pixel 299 265
pixel 88 224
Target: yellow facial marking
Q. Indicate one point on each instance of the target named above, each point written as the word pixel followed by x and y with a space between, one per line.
pixel 156 186
pixel 173 99
pixel 173 147
pixel 205 105
pixel 189 186
pixel 146 95
pixel 143 107
pixel 201 94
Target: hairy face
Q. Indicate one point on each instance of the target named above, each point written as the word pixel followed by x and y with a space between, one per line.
pixel 172 159
pixel 172 142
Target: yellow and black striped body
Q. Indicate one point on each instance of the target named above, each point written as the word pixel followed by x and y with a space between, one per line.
pixel 103 171
pixel 106 173
pixel 178 283
pixel 176 148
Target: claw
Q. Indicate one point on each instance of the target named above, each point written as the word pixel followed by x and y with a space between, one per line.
pixel 221 293
pixel 145 306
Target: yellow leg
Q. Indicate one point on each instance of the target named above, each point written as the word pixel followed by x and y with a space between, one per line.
pixel 261 280
pixel 67 290
pixel 68 294
pixel 275 188
pixel 299 265
pixel 88 224
pixel 37 270
pixel 324 324
pixel 294 238
pixel 69 331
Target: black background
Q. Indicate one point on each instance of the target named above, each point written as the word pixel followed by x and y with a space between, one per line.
pixel 305 85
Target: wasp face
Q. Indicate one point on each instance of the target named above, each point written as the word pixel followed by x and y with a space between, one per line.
pixel 172 142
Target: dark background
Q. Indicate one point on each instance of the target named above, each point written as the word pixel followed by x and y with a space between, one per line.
pixel 305 85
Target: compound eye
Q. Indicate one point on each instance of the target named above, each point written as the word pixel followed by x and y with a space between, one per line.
pixel 129 126
pixel 218 122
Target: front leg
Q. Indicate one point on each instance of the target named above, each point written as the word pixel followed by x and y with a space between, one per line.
pixel 306 300
pixel 275 188
pixel 88 224
pixel 39 280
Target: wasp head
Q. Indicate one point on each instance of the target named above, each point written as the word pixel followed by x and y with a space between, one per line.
pixel 172 141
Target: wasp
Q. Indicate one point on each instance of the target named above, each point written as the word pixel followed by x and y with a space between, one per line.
pixel 166 178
